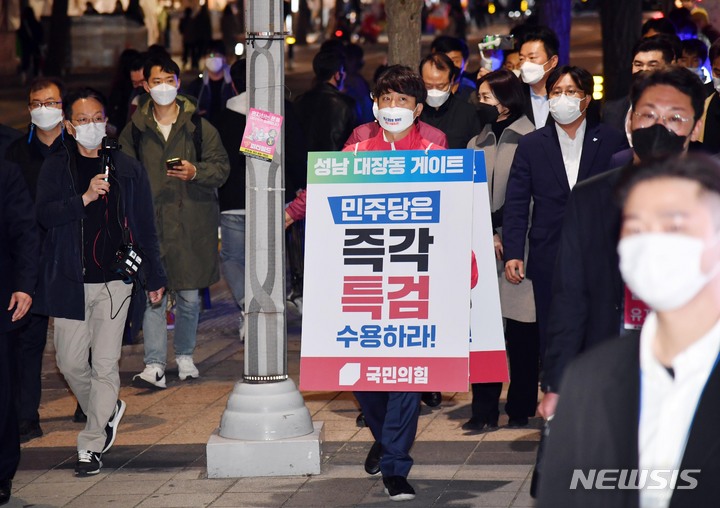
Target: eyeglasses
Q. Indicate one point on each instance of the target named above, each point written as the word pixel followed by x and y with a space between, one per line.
pixel 47 104
pixel 83 120
pixel 554 94
pixel 651 118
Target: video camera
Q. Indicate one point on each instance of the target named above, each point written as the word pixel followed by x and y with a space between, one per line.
pixel 492 43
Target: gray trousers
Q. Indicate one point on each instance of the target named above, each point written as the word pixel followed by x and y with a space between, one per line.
pixel 96 387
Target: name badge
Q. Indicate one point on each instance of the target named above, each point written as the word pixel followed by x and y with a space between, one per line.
pixel 635 311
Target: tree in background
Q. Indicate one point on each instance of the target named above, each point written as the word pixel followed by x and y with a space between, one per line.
pixel 557 14
pixel 620 21
pixel 403 29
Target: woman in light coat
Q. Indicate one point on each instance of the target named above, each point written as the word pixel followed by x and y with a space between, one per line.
pixel 501 93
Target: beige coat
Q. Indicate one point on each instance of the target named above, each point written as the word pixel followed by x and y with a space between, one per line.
pixel 516 301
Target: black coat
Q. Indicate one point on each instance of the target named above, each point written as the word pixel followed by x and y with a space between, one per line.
pixel 19 241
pixel 456 118
pixel 328 117
pixel 60 210
pixel 587 299
pixel 596 426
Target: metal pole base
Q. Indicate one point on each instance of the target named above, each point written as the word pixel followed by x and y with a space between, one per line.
pixel 265 412
pixel 266 430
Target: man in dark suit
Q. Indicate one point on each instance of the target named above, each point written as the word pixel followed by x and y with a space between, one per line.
pixel 637 423
pixel 18 274
pixel 547 163
pixel 588 293
pixel 649 54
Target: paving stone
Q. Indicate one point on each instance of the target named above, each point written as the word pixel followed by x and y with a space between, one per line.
pixel 116 501
pixel 178 500
pixel 252 499
pixel 207 485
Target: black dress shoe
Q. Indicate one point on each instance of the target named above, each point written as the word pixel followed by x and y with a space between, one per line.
pixel 5 488
pixel 432 399
pixel 29 430
pixel 372 461
pixel 79 416
pixel 518 423
pixel 360 420
pixel 479 425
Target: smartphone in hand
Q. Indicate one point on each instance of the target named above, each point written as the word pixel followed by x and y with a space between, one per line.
pixel 172 163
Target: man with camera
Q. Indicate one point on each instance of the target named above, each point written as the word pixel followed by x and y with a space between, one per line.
pixel 94 202
pixel 185 163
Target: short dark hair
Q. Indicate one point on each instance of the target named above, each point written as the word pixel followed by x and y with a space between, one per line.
pixel 694 166
pixel 680 78
pixel 401 79
pixel 165 63
pixel 507 53
pixel 216 46
pixel 441 62
pixel 327 63
pixel 655 43
pixel 545 35
pixel 696 48
pixel 660 25
pixel 580 77
pixel 82 93
pixel 238 74
pixel 507 89
pixel 714 51
pixel 45 82
pixel 446 44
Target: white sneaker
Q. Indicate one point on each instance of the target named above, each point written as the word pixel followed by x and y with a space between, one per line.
pixel 186 367
pixel 152 377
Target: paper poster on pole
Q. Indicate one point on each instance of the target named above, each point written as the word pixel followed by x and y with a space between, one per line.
pixel 488 362
pixel 262 134
pixel 387 271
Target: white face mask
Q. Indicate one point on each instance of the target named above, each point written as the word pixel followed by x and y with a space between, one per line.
pixel 238 104
pixel 516 72
pixel 395 119
pixel 214 64
pixel 90 135
pixel 663 269
pixel 565 110
pixel 436 98
pixel 163 94
pixel 531 72
pixel 698 71
pixel 716 84
pixel 46 119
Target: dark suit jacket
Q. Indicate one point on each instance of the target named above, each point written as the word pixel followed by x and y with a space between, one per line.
pixel 614 112
pixel 18 237
pixel 587 298
pixel 328 117
pixel 538 173
pixel 596 426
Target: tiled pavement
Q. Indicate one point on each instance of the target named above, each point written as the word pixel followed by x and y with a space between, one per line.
pixel 159 457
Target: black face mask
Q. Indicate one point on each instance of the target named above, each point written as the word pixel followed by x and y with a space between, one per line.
pixel 486 113
pixel 657 141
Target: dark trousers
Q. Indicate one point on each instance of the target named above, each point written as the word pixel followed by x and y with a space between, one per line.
pixel 9 436
pixel 523 354
pixel 33 337
pixel 542 291
pixel 393 420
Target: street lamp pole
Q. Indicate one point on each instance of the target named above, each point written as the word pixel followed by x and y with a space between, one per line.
pixel 266 428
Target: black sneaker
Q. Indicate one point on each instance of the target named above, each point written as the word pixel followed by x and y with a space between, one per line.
pixel 518 423
pixel 29 430
pixel 398 488
pixel 88 463
pixel 478 425
pixel 112 425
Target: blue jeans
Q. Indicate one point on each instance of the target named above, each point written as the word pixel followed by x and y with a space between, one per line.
pixel 232 254
pixel 187 312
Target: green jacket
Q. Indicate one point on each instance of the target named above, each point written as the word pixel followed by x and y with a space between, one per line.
pixel 186 213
